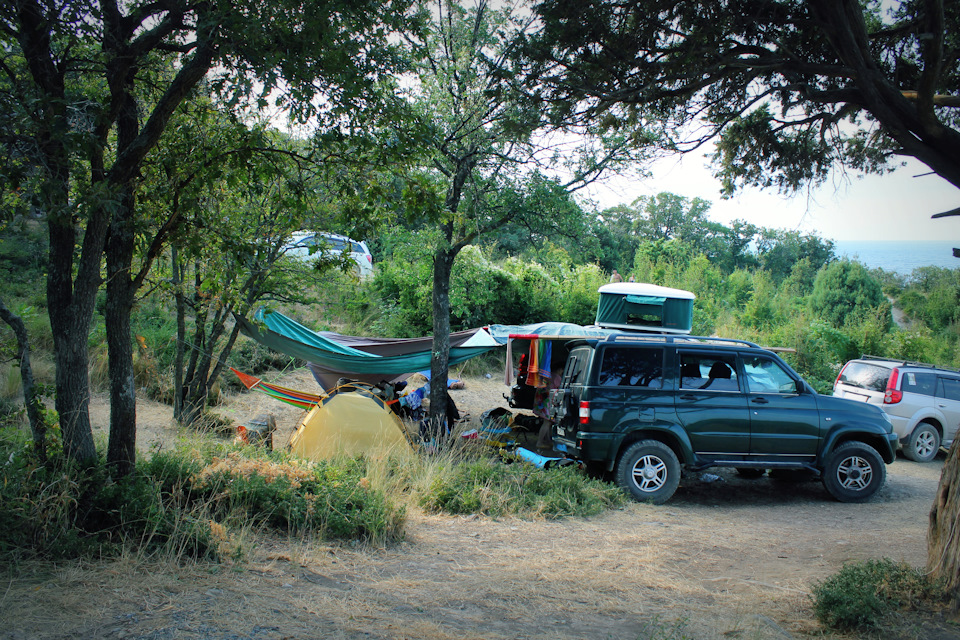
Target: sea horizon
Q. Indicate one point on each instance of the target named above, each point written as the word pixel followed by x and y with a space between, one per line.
pixel 899 256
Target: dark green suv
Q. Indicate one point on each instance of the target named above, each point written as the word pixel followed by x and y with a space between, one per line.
pixel 643 405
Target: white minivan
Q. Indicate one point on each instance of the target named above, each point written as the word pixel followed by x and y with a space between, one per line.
pixel 923 401
pixel 306 245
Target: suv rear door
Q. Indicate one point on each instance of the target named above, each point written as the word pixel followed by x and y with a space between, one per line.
pixel 710 404
pixel 948 402
pixel 630 389
pixel 784 419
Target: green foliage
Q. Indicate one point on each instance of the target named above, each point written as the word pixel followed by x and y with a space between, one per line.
pixel 192 502
pixel 861 595
pixel 672 63
pixel 537 293
pixel 932 296
pixel 404 283
pixel 332 500
pixel 61 510
pixel 490 487
pixel 781 251
pixel 579 297
pixel 23 261
pixel 845 291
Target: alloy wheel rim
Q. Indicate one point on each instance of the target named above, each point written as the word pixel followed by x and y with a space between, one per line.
pixel 854 473
pixel 649 473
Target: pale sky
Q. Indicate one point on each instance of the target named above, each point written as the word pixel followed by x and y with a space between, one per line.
pixel 895 206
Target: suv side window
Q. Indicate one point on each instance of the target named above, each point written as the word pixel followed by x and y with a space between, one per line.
pixel 708 371
pixel 631 367
pixel 949 388
pixel 764 375
pixel 922 383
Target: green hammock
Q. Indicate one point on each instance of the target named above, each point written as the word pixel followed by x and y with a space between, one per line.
pixel 293 339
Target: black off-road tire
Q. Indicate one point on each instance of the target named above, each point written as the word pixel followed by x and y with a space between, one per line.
pixel 923 444
pixel 854 472
pixel 648 471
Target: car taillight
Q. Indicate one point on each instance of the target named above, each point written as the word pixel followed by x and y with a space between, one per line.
pixel 369 258
pixel 892 395
pixel 584 412
pixel 840 375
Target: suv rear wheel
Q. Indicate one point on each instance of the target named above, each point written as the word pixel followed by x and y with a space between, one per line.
pixel 854 472
pixel 649 471
pixel 924 443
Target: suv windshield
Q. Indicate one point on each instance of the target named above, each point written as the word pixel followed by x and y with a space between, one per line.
pixel 865 376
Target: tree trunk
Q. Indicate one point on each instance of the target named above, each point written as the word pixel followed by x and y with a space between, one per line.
pixel 181 307
pixel 38 428
pixel 943 537
pixel 440 359
pixel 70 308
pixel 121 449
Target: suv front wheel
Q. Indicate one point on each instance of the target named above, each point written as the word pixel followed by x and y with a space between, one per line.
pixel 854 472
pixel 649 471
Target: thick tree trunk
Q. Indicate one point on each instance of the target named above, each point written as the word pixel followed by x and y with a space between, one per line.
pixel 121 449
pixel 31 399
pixel 440 360
pixel 70 308
pixel 943 538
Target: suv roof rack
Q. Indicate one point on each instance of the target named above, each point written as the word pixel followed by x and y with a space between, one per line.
pixel 909 363
pixel 666 338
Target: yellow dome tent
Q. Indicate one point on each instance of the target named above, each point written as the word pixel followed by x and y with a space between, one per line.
pixel 348 421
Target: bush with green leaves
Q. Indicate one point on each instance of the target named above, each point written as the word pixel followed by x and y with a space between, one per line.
pixel 404 281
pixel 578 296
pixel 490 487
pixel 330 499
pixel 845 291
pixel 192 501
pixel 58 509
pixel 862 594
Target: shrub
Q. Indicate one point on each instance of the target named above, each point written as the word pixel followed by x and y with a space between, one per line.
pixel 60 510
pixel 333 500
pixel 492 488
pixel 579 297
pixel 186 502
pixel 845 291
pixel 862 594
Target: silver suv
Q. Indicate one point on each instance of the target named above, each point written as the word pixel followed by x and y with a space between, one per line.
pixel 923 401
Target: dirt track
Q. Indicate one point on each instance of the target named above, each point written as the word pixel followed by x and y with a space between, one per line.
pixel 725 558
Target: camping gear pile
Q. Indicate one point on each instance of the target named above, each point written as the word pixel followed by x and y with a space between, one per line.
pixel 366 400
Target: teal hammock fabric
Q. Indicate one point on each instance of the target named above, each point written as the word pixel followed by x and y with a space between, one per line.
pixel 289 337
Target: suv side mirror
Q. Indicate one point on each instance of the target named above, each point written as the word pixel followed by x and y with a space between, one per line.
pixel 792 387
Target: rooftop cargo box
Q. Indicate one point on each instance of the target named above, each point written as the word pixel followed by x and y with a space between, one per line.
pixel 637 306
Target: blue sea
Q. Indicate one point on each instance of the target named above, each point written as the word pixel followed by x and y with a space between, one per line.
pixel 899 257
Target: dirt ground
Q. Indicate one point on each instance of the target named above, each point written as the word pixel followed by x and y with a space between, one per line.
pixel 724 558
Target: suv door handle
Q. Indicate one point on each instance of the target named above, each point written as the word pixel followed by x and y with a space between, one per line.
pixel 688 396
pixel 760 401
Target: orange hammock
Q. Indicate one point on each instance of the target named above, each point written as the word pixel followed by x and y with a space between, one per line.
pixel 300 399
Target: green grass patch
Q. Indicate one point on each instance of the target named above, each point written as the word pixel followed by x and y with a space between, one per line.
pixel 490 487
pixel 196 502
pixel 863 594
pixel 329 500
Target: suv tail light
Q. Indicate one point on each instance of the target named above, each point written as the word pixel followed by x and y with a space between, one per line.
pixel 840 375
pixel 892 395
pixel 584 412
